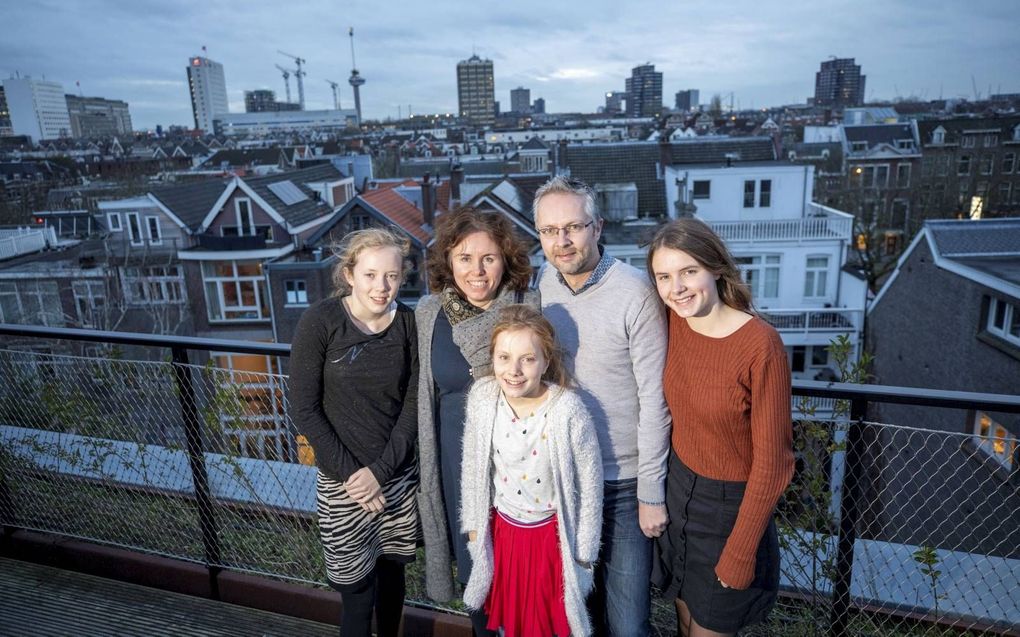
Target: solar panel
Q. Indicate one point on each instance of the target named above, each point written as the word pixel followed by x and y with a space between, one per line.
pixel 288 193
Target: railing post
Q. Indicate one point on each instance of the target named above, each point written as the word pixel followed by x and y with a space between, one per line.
pixel 196 458
pixel 848 516
pixel 7 513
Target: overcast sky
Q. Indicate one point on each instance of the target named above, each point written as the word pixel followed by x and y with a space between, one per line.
pixel 570 53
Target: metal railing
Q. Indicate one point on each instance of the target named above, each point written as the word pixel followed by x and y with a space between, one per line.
pixel 828 320
pixel 824 223
pixel 157 456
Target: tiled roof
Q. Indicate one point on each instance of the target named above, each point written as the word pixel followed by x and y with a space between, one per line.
pixel 302 211
pixel 244 157
pixel 190 202
pixel 875 134
pixel 955 127
pixel 636 162
pixel 398 210
pixel 535 143
pixel 987 237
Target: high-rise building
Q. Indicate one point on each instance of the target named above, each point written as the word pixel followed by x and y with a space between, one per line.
pixel 5 115
pixel 687 100
pixel 93 117
pixel 839 83
pixel 644 92
pixel 614 101
pixel 264 101
pixel 538 106
pixel 520 100
pixel 37 108
pixel 208 91
pixel 476 91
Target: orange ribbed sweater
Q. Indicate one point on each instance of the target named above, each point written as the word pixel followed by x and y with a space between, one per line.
pixel 730 402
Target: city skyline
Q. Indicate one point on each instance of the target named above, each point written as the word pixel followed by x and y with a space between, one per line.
pixel 138 52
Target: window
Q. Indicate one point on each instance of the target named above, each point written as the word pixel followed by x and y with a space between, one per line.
pixel 89 301
pixel 816 271
pixel 31 302
pixel 927 167
pixel 994 439
pixel 1004 190
pixel 904 144
pixel 159 284
pixel 749 194
pixel 903 176
pixel 963 165
pixel 969 141
pixel 986 165
pixel 819 356
pixel 1004 320
pixel 938 136
pixel 991 140
pixel 113 222
pixel 942 166
pixel 135 229
pixel 260 429
pixel 155 232
pixel 858 147
pixel 296 292
pixel 1008 161
pixel 876 176
pixel 797 357
pixel 702 189
pixel 245 221
pixel 765 193
pixel 235 291
pixel 761 273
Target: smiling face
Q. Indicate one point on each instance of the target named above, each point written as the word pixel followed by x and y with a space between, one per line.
pixel 375 281
pixel 684 285
pixel 477 266
pixel 518 362
pixel 573 255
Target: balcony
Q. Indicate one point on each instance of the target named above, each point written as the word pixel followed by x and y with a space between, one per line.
pixel 825 322
pixel 151 463
pixel 822 223
pixel 15 242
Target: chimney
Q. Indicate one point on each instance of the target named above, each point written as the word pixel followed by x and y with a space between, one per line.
pixel 456 179
pixel 665 154
pixel 428 199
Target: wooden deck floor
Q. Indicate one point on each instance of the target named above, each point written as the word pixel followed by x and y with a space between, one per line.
pixel 44 601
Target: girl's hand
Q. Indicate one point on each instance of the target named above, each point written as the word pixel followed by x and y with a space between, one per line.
pixel 472 536
pixel 375 505
pixel 362 486
pixel 724 584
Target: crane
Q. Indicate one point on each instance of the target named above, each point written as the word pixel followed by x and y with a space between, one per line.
pixel 286 80
pixel 299 74
pixel 355 80
pixel 336 98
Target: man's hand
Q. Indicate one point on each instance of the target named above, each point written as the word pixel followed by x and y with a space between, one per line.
pixel 362 486
pixel 652 518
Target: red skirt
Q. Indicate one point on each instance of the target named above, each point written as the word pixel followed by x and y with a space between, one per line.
pixel 526 596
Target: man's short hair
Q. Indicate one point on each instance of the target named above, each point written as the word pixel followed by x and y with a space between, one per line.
pixel 565 185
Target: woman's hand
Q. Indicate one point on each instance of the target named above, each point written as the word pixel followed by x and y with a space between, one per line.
pixel 362 486
pixel 472 536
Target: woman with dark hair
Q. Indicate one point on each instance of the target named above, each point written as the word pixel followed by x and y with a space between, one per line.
pixel 353 394
pixel 727 384
pixel 476 267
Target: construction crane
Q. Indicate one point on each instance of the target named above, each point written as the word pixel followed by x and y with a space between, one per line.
pixel 299 74
pixel 355 80
pixel 286 80
pixel 336 97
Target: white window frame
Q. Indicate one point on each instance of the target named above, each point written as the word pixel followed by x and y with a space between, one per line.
pixel 89 298
pixel 756 273
pixel 903 175
pixel 994 439
pixel 968 141
pixel 155 238
pixel 135 229
pixel 1008 163
pixel 816 277
pixel 698 181
pixel 214 285
pixel 238 217
pixel 251 384
pixel 938 136
pixel 154 285
pixel 17 293
pixel 113 222
pixel 1010 317
pixel 762 203
pixel 295 297
pixel 749 201
pixel 986 166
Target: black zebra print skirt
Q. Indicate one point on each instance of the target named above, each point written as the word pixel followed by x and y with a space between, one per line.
pixel 353 539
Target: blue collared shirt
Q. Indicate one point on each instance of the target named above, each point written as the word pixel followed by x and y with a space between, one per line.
pixel 605 262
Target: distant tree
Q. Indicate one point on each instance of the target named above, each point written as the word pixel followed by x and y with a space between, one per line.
pixel 715 106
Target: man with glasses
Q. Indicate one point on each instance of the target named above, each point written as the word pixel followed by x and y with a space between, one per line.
pixel 612 328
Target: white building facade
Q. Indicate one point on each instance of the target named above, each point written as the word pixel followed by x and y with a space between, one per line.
pixel 268 122
pixel 208 88
pixel 37 108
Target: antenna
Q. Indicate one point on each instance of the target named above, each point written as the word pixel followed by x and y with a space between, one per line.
pixel 336 98
pixel 299 74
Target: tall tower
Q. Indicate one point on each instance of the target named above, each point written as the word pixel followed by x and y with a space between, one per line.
pixel 208 91
pixel 839 83
pixel 355 80
pixel 37 108
pixel 520 100
pixel 476 91
pixel 644 92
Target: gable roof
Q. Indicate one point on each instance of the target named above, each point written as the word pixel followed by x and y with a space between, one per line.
pixel 299 212
pixel 955 128
pixel 387 206
pixel 637 162
pixel 245 157
pixel 189 202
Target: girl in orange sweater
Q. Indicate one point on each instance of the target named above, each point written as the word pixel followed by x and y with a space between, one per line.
pixel 727 384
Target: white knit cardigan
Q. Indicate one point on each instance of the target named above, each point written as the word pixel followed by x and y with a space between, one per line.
pixel 577 481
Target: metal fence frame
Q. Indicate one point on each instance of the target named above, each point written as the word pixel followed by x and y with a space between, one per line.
pixel 859 397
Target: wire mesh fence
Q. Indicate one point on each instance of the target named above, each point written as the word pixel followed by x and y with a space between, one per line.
pixel 98 448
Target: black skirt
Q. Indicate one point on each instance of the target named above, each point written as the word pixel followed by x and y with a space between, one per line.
pixel 702 513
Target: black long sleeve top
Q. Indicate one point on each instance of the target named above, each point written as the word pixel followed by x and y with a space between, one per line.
pixel 354 395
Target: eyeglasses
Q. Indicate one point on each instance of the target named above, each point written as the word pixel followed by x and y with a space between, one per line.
pixel 570 229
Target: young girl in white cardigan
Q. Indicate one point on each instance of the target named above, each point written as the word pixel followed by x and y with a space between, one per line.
pixel 531 486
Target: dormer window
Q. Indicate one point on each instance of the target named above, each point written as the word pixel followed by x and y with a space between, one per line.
pixel 1016 133
pixel 938 136
pixel 858 147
